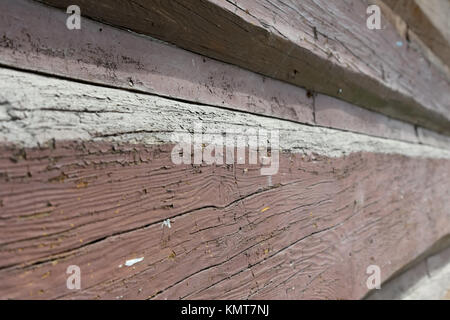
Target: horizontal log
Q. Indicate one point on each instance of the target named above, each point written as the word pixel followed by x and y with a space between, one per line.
pixel 33 37
pixel 37 109
pixel 294 42
pixel 311 235
pixel 171 72
pixel 168 71
pixel 87 179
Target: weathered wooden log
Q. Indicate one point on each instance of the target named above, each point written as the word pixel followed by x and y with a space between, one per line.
pixel 104 55
pixel 87 172
pixel 164 173
pixel 300 43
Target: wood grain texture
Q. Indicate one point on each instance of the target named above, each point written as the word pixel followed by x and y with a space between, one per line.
pixel 310 233
pixel 34 37
pixel 86 178
pixel 342 58
pixel 36 110
pixel 101 54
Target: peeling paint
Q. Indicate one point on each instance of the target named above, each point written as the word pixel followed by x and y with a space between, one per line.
pixel 131 262
pixel 166 223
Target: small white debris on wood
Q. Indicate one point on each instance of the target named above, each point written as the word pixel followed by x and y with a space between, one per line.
pixel 131 262
pixel 166 223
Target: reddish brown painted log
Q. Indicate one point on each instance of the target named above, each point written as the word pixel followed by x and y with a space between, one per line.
pixel 300 43
pixel 115 57
pixel 310 232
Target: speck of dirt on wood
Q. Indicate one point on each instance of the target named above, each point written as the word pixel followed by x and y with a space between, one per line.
pixel 316 36
pixel 82 184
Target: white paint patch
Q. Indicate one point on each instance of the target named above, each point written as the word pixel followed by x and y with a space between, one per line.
pixel 131 262
pixel 166 223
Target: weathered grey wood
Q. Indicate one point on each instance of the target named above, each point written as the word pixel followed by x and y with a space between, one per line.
pixel 36 109
pixel 341 58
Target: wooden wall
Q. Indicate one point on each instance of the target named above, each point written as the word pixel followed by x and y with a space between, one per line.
pixel 87 175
